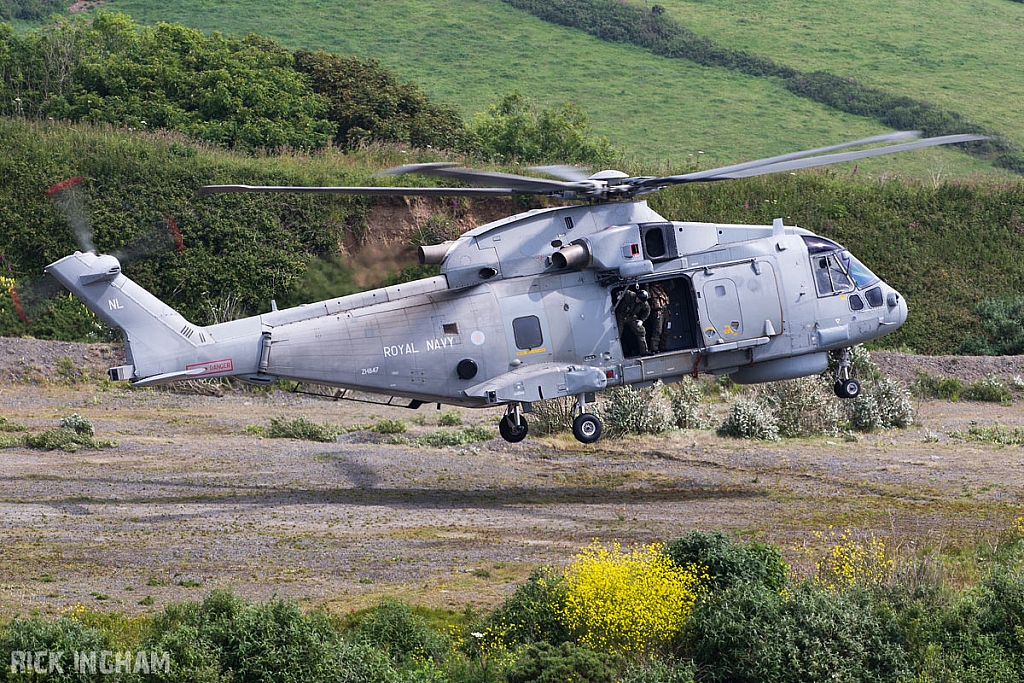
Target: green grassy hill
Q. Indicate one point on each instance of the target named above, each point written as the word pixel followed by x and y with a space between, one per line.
pixel 470 52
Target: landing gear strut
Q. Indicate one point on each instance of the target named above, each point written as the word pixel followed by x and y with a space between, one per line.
pixel 845 386
pixel 587 426
pixel 513 427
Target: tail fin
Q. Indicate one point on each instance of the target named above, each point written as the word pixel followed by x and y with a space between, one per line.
pixel 159 342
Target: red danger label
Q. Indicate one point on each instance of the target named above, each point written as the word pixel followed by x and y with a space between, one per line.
pixel 213 367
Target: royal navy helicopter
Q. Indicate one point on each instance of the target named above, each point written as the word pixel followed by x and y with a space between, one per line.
pixel 524 308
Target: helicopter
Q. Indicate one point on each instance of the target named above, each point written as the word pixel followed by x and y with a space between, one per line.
pixel 530 307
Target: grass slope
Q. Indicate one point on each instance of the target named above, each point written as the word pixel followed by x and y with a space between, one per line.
pixel 470 52
pixel 964 56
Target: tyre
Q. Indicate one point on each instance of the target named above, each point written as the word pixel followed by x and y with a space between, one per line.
pixel 512 433
pixel 586 428
pixel 847 388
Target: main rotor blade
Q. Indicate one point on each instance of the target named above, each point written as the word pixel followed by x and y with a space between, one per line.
pixel 520 183
pixel 798 160
pixel 378 191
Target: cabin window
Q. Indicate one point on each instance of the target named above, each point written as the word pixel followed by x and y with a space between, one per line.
pixel 450 328
pixel 874 297
pixel 527 332
pixel 830 276
pixel 856 303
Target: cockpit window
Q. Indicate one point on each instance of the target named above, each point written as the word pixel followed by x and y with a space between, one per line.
pixel 830 276
pixel 816 244
pixel 858 271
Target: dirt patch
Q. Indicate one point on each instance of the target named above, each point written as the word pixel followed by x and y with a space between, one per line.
pixel 85 6
pixel 191 499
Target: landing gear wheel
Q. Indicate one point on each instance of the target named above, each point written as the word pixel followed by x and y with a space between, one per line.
pixel 586 428
pixel 847 388
pixel 512 432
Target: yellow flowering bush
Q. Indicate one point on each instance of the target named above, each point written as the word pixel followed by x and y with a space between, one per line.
pixel 628 601
pixel 849 562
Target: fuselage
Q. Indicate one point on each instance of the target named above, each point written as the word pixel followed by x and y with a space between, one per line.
pixel 524 310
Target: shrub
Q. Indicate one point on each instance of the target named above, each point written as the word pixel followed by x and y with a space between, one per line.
pixel 300 428
pixel 928 386
pixel 227 638
pixel 34 634
pixel 989 389
pixel 995 434
pixel 547 663
pixel 553 415
pixel 632 410
pixel 77 424
pixel 532 613
pixel 848 561
pixel 892 399
pixel 751 418
pixel 686 400
pixel 658 670
pixel 804 407
pixel 727 562
pixel 629 602
pixel 395 628
pixel 1002 325
pixel 751 633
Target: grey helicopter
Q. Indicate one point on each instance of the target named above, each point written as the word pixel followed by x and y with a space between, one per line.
pixel 563 301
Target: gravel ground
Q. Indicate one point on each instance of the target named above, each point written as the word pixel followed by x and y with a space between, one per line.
pixel 189 500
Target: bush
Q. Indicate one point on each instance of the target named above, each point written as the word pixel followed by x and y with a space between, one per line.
pixel 227 638
pixel 77 424
pixel 804 407
pixel 34 634
pixel 553 415
pixel 928 386
pixel 632 410
pixel 631 602
pixel 1002 325
pixel 395 628
pixel 532 614
pixel 989 389
pixel 546 663
pixel 686 399
pixel 753 633
pixel 751 418
pixel 848 561
pixel 658 670
pixel 728 563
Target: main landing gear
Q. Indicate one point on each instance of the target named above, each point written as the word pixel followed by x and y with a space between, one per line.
pixel 845 386
pixel 586 427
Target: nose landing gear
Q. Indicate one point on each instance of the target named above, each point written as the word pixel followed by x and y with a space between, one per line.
pixel 845 386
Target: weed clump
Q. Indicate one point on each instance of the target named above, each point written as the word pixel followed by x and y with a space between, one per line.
pixel 300 428
pixel 455 437
pixel 388 426
pixel 74 433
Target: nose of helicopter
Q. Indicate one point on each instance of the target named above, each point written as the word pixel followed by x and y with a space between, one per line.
pixel 897 305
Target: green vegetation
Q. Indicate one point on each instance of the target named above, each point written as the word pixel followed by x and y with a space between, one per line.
pixel 658 32
pixel 31 10
pixel 456 437
pixel 1002 328
pixel 73 433
pixel 300 428
pixel 656 108
pixel 704 608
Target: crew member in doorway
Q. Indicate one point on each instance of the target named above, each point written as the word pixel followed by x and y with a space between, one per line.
pixel 631 311
pixel 657 323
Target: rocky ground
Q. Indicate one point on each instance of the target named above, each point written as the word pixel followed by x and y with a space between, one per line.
pixel 191 499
